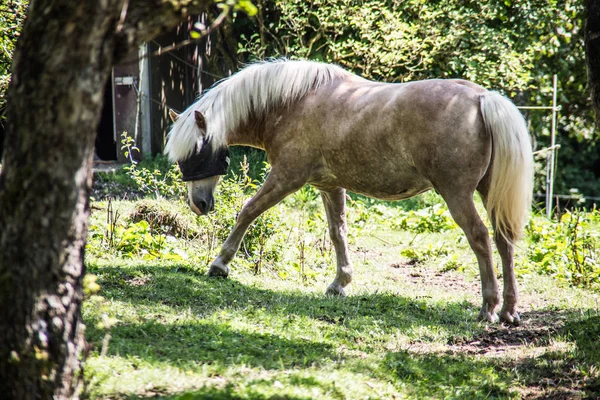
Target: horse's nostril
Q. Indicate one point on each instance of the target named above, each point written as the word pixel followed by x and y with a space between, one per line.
pixel 203 206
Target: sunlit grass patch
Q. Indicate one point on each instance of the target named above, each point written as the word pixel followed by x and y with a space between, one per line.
pixel 160 327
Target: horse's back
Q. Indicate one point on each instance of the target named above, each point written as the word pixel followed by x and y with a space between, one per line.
pixel 391 140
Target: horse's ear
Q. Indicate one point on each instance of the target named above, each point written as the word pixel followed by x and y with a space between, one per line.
pixel 173 115
pixel 201 122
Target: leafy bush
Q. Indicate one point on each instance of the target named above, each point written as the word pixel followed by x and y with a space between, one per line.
pixel 164 180
pixel 568 250
pixel 435 218
pixel 134 241
pixel 511 46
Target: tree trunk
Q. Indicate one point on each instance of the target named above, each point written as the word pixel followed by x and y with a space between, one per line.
pixel 59 72
pixel 61 64
pixel 592 52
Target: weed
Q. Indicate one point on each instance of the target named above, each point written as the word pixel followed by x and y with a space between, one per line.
pixel 429 252
pixel 568 250
pixel 435 218
pixel 160 182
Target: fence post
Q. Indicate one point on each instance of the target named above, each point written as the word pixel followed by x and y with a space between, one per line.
pixel 550 162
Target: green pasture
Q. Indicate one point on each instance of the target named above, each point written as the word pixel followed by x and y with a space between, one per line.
pixel 159 327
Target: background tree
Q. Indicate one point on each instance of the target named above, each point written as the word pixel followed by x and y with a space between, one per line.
pixel 60 67
pixel 592 52
pixel 511 46
pixel 12 13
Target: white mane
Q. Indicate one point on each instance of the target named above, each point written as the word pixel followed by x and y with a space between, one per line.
pixel 253 90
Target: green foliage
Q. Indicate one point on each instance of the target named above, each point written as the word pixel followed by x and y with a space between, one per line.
pixel 449 377
pixel 256 244
pixel 435 218
pixel 421 255
pixel 12 15
pixel 493 43
pixel 568 250
pixel 139 238
pixel 254 159
pixel 136 240
pixel 246 6
pixel 162 180
pixel 511 46
pixel 163 218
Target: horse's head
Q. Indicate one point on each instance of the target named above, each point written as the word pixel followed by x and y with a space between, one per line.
pixel 203 169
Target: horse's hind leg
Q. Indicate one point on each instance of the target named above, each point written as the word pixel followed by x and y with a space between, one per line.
pixel 335 207
pixel 509 312
pixel 464 213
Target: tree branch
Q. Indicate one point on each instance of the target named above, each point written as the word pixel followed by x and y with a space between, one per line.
pixel 144 20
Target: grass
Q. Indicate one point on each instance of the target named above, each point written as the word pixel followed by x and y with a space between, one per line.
pixel 160 328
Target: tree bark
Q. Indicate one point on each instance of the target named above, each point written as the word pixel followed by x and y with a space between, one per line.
pixel 592 52
pixel 61 64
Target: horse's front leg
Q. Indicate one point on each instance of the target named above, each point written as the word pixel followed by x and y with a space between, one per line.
pixel 335 207
pixel 272 192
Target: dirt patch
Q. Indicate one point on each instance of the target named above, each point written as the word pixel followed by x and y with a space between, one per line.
pixel 535 352
pixel 413 273
pixel 139 281
pixel 537 329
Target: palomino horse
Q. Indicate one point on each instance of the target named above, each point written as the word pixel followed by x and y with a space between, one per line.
pixel 322 125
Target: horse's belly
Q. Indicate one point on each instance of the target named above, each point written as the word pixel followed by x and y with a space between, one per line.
pixel 384 184
pixel 390 192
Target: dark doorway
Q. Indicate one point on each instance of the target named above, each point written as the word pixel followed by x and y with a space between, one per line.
pixel 106 147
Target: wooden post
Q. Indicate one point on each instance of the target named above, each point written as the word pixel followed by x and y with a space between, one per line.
pixel 550 163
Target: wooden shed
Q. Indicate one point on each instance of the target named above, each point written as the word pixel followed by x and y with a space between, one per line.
pixel 142 89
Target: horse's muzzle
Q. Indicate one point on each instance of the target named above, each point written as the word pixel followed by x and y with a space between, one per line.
pixel 202 206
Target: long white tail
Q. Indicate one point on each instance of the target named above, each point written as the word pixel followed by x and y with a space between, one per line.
pixel 509 197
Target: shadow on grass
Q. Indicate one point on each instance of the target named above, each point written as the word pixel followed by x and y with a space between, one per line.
pixel 449 376
pixel 228 392
pixel 350 320
pixel 586 335
pixel 346 321
pixel 183 288
pixel 216 345
pixel 554 374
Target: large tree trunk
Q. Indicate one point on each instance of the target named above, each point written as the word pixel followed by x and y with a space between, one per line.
pixel 59 72
pixel 61 64
pixel 592 52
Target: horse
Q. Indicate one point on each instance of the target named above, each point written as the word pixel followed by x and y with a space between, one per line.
pixel 324 126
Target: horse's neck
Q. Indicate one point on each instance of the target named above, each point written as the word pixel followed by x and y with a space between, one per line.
pixel 249 134
pixel 246 137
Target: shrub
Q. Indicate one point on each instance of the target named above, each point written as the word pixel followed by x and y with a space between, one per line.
pixel 163 220
pixel 568 250
pixel 158 176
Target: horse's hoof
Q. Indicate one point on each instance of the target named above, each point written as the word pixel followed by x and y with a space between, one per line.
pixel 487 316
pixel 510 318
pixel 218 272
pixel 335 290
